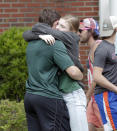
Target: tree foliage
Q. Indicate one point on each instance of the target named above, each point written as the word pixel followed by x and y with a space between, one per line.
pixel 12 116
pixel 13 68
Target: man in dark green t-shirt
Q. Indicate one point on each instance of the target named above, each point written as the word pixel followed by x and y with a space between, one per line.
pixel 44 105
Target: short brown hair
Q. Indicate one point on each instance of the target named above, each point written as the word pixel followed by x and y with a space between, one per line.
pixel 49 16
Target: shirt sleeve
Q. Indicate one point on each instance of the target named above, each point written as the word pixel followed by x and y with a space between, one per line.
pixel 100 56
pixel 61 57
pixel 66 37
pixel 29 36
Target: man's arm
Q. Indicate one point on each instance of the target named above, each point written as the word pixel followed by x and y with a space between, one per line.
pixel 74 73
pixel 90 91
pixel 100 58
pixel 64 62
pixel 102 81
pixel 93 84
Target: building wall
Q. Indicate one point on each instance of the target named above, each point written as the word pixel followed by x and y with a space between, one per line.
pixel 26 12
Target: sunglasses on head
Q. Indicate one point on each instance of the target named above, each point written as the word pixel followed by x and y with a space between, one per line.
pixel 82 29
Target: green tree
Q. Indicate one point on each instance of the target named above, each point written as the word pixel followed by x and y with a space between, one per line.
pixel 13 68
pixel 12 116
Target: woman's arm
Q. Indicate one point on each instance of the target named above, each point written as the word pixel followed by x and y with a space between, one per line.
pixel 29 36
pixel 68 38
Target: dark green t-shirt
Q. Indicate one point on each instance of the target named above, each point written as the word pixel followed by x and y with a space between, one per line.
pixel 43 62
pixel 67 84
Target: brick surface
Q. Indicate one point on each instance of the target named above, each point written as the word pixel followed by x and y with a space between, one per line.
pixel 26 12
pixel 10 10
pixel 3 5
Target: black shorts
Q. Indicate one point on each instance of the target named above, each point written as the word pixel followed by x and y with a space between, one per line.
pixel 46 114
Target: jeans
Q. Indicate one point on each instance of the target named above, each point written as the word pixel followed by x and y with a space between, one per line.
pixel 76 104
